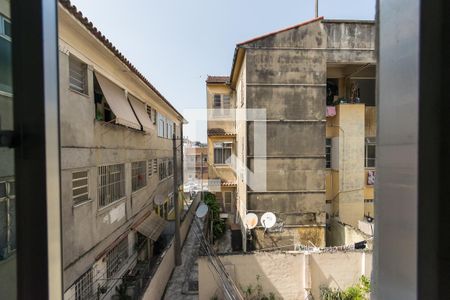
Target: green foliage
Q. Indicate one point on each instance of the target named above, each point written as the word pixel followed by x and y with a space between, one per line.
pixel 359 291
pixel 219 226
pixel 256 292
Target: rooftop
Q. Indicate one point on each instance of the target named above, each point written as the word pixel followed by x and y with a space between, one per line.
pixel 218 79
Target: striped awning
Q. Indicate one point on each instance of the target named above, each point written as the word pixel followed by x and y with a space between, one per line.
pixel 152 227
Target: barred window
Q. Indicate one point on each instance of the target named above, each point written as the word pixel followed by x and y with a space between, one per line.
pixel 227 201
pixel 328 154
pixel 170 167
pixel 83 286
pixel 150 167
pixel 138 175
pixel 111 184
pixel 171 202
pixel 155 166
pixel 162 169
pixel 116 258
pixel 77 75
pixel 80 187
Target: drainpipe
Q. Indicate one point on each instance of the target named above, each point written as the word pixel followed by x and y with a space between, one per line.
pixel 306 275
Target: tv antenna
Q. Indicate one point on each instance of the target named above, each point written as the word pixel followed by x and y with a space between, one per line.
pixel 201 211
pixel 268 220
pixel 316 12
pixel 251 220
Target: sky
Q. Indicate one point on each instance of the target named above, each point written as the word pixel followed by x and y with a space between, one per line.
pixel 177 43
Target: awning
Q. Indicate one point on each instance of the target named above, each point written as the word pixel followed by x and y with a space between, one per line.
pixel 152 227
pixel 116 99
pixel 141 113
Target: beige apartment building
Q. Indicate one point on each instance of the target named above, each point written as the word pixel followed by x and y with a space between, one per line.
pixel 315 81
pixel 117 165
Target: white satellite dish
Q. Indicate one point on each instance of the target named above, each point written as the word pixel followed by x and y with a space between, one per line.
pixel 159 199
pixel 268 220
pixel 251 220
pixel 202 210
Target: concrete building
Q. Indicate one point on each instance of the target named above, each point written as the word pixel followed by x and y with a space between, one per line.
pixel 290 74
pixel 116 165
pixel 195 164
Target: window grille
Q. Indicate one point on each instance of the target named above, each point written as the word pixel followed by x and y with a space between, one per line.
pixel 162 169
pixel 155 166
pixel 328 154
pixel 84 286
pixel 7 218
pixel 116 258
pixel 217 101
pixel 169 167
pixel 227 199
pixel 80 187
pixel 138 175
pixel 111 184
pixel 77 75
pixel 149 112
pixel 150 167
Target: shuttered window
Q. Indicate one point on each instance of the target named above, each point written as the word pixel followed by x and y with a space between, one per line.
pixel 80 187
pixel 77 75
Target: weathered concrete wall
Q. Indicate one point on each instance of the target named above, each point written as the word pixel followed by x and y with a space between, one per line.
pixel 87 144
pixel 339 234
pixel 350 41
pixel 287 275
pixel 289 83
pixel 162 275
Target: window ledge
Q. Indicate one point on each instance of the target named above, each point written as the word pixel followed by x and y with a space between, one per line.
pixel 113 204
pixel 79 93
pixel 82 203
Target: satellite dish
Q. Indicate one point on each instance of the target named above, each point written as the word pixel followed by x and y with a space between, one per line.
pixel 159 199
pixel 251 220
pixel 268 219
pixel 202 210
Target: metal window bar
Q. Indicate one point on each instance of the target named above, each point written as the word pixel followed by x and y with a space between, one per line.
pixel 138 175
pixel 80 187
pixel 7 219
pixel 328 154
pixel 155 166
pixel 111 184
pixel 116 258
pixel 150 167
pixel 84 286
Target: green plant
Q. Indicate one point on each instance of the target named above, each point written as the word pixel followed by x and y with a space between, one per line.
pixel 256 292
pixel 218 225
pixel 359 291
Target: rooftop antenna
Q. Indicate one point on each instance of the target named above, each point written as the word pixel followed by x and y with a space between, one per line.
pixel 251 220
pixel 268 220
pixel 316 15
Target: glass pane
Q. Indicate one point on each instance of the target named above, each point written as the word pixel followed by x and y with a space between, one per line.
pixel 7 190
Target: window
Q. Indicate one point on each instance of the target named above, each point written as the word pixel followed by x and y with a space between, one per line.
pixel 80 187
pixel 171 203
pixel 227 201
pixel 116 258
pixel 155 166
pixel 328 153
pixel 138 175
pixel 162 170
pixel 150 167
pixel 170 167
pixel 217 101
pixel 222 153
pixel 84 286
pixel 102 110
pixel 370 153
pixel 111 184
pixel 221 104
pixel 77 75
pixel 5 56
pixel 149 113
pixel 7 218
pixel 161 125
